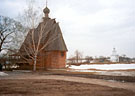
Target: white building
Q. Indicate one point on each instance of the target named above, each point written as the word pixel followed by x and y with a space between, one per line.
pixel 114 56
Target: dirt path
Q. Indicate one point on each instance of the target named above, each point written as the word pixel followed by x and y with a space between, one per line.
pixel 128 86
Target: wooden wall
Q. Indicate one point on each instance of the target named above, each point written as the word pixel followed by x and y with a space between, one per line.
pixel 52 60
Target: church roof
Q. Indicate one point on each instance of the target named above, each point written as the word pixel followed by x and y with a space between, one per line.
pixel 51 36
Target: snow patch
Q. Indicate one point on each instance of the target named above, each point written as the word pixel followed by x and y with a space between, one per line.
pixel 116 69
pixel 3 74
pixel 105 66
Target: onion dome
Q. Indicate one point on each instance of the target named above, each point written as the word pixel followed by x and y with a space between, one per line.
pixel 46 10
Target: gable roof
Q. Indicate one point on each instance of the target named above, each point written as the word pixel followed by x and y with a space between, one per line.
pixel 50 34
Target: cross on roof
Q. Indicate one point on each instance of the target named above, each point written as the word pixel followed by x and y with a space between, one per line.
pixel 46 3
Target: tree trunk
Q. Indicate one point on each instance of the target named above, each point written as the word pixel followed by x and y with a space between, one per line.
pixel 35 62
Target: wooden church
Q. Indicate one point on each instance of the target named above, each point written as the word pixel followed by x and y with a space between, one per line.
pixel 47 39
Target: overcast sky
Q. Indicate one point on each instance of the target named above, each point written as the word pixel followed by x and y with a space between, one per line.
pixel 93 27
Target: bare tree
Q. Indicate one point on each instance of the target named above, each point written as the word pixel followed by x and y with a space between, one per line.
pixel 7 28
pixel 10 32
pixel 78 56
pixel 31 16
pixel 30 19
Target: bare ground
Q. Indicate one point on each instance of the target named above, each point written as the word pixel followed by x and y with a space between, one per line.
pixel 45 87
pixel 44 84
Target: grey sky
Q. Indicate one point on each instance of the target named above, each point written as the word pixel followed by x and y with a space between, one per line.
pixel 93 27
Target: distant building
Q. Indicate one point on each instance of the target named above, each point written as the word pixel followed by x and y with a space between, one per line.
pixel 114 56
pixel 133 60
pixel 101 59
pixel 124 59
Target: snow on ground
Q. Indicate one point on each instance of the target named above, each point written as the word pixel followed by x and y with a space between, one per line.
pixel 105 66
pixel 106 69
pixel 3 74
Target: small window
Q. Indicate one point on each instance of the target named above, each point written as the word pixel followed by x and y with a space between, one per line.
pixel 62 54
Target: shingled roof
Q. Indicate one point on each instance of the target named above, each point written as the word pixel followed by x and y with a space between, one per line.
pixel 51 36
